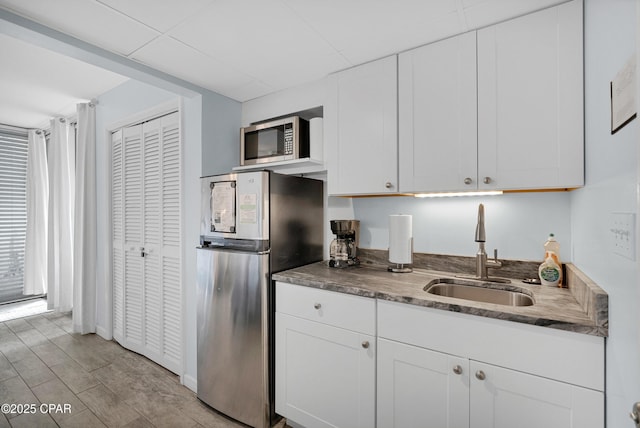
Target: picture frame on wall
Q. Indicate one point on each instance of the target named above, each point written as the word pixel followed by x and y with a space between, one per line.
pixel 623 96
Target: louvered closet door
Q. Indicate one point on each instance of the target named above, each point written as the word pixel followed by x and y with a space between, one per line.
pixel 148 315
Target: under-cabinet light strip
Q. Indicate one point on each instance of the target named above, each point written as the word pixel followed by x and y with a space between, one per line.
pixel 449 194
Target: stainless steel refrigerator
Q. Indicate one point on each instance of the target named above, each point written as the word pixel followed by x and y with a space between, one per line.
pixel 253 224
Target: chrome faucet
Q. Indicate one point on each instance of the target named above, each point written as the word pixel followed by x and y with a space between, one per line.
pixel 482 263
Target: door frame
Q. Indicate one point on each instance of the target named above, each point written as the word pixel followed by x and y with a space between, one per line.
pixel 106 330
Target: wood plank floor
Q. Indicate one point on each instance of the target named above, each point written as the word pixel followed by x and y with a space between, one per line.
pixel 41 361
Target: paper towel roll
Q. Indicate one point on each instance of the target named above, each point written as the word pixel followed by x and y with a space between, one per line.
pixel 316 138
pixel 400 239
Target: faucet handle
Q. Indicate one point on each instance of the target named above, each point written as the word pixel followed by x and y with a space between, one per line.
pixel 495 263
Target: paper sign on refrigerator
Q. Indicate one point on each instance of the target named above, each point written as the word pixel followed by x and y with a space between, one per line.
pixel 248 208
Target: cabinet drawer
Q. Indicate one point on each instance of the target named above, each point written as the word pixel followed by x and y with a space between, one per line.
pixel 328 307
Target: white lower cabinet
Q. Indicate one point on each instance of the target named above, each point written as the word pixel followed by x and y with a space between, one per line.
pixel 503 398
pixel 349 361
pixel 325 375
pixel 420 387
pixel 452 385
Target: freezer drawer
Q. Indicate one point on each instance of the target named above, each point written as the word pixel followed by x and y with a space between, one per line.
pixel 233 319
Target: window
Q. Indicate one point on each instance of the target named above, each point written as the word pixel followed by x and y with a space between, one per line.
pixel 13 211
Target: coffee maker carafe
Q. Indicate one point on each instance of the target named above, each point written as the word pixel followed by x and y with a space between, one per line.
pixel 343 250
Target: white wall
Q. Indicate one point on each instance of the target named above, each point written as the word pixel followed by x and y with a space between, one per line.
pixel 220 134
pixel 516 224
pixel 611 186
pixel 192 132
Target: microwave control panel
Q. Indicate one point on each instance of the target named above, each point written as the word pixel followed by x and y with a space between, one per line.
pixel 288 139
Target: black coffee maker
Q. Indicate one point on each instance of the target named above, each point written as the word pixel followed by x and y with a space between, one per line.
pixel 344 248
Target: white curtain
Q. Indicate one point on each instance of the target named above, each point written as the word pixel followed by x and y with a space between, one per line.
pixel 61 215
pixel 84 233
pixel 35 250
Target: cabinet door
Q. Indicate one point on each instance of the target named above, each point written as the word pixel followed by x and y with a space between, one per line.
pixel 361 127
pixel 325 376
pixel 437 116
pixel 530 101
pixel 503 398
pixel 419 387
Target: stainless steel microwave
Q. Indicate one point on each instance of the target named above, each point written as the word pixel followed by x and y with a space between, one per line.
pixel 273 141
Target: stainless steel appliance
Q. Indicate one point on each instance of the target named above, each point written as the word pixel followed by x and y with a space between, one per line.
pixel 253 224
pixel 344 248
pixel 277 140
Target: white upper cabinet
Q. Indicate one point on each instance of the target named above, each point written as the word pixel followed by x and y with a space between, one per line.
pixel 361 129
pixel 437 116
pixel 514 121
pixel 530 101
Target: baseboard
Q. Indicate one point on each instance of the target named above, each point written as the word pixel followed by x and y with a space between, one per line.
pixel 190 382
pixel 103 333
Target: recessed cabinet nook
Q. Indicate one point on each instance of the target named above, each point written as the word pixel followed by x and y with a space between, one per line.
pixel 500 108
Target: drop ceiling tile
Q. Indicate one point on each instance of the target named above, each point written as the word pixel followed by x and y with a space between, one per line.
pixel 363 30
pixel 306 67
pixel 381 46
pixel 161 15
pixel 270 34
pixel 174 57
pixel 87 20
pixel 251 90
pixel 480 13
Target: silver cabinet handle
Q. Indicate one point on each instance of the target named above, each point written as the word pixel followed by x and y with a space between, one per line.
pixel 317 306
pixel 388 185
pixel 468 180
pixel 457 369
pixel 486 180
pixel 365 344
pixel 480 375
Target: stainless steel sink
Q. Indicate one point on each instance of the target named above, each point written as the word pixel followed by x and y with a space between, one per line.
pixel 479 292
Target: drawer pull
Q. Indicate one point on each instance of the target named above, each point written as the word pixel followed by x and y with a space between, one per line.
pixel 317 306
pixel 457 369
pixel 480 375
pixel 365 344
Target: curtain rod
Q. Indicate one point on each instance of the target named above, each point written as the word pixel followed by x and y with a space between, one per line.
pixel 73 120
pixel 13 128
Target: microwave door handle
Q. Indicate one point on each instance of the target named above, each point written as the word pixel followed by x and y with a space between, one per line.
pixel 211 208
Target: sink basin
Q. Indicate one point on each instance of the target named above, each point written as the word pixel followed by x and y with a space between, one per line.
pixel 479 292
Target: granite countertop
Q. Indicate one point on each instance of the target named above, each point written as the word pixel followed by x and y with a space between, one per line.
pixel 581 308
